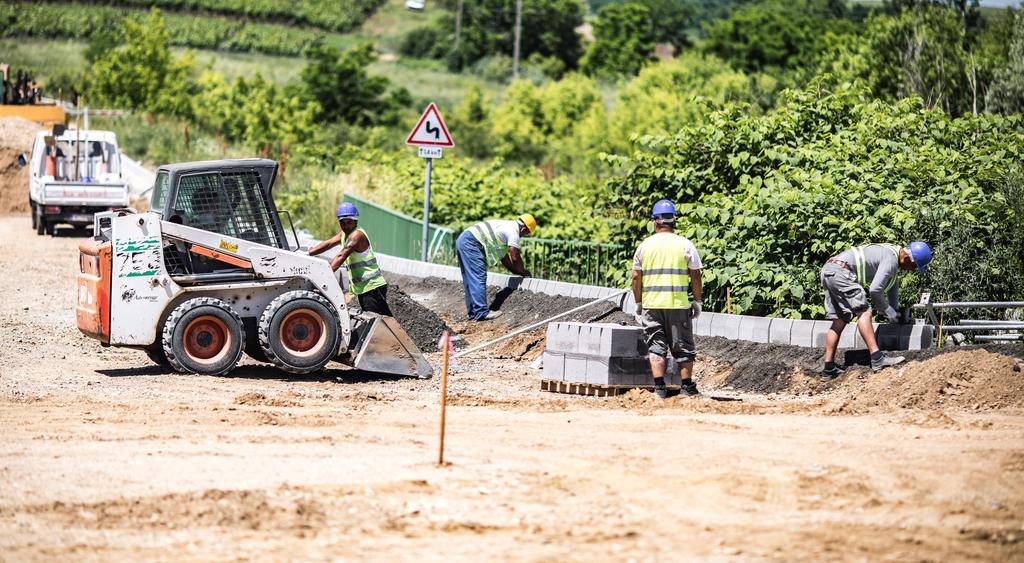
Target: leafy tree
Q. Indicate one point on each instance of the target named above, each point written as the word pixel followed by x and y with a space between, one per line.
pixel 1006 94
pixel 548 28
pixel 101 42
pixel 919 51
pixel 143 73
pixel 345 91
pixel 623 41
pixel 776 36
pixel 767 198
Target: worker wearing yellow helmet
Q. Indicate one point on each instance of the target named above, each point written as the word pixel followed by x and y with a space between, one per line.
pixel 485 244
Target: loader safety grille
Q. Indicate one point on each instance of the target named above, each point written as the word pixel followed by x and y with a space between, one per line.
pixel 230 203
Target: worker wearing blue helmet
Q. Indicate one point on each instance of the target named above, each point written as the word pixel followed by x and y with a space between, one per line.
pixel 849 278
pixel 665 267
pixel 367 280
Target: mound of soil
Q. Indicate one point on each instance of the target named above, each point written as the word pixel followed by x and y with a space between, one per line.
pixel 968 379
pixel 16 136
pixel 519 307
pixel 422 324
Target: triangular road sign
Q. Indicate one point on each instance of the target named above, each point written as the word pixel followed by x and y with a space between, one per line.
pixel 431 130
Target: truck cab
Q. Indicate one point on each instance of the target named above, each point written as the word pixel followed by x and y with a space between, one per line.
pixel 72 176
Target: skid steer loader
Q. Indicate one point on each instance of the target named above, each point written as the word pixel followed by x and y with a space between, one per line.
pixel 208 274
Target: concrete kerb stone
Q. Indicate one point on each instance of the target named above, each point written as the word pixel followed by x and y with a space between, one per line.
pixel 726 326
pixel 820 333
pixel 703 325
pixel 754 329
pixel 554 365
pixel 802 334
pixel 780 331
pixel 922 337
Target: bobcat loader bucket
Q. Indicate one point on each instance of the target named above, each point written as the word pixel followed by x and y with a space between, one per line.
pixel 380 344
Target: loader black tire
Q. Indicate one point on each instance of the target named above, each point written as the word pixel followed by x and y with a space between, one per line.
pixel 203 336
pixel 157 355
pixel 300 332
pixel 255 351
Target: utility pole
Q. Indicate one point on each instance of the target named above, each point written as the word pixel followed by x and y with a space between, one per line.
pixel 515 46
pixel 458 25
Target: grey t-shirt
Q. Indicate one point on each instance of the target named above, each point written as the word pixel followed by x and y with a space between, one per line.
pixel 881 273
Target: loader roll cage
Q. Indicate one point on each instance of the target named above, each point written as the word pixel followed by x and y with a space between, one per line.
pixel 227 197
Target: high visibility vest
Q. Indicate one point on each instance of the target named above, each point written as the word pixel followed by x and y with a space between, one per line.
pixel 666 275
pixel 860 265
pixel 363 270
pixel 485 234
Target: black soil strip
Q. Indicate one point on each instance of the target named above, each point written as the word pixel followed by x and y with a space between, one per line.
pixel 421 324
pixel 519 307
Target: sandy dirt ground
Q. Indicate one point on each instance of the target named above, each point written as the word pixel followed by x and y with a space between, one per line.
pixel 106 457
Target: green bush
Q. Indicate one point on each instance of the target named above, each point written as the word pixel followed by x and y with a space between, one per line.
pixel 767 198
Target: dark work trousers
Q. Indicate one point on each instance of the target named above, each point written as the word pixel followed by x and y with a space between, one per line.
pixel 375 301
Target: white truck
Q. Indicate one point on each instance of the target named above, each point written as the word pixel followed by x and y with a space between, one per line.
pixel 73 175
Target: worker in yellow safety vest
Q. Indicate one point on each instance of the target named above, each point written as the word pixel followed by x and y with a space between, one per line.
pixel 664 267
pixel 367 281
pixel 485 244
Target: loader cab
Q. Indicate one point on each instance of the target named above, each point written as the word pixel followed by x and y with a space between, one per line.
pixel 228 197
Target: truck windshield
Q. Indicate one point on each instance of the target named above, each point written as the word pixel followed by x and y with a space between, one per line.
pixel 97 161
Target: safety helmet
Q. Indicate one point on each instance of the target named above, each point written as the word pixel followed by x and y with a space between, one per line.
pixel 664 210
pixel 529 222
pixel 921 253
pixel 347 211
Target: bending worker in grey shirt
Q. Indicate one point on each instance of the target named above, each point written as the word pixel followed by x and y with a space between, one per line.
pixel 844 278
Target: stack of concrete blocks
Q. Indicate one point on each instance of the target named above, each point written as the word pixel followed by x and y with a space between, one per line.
pixel 600 354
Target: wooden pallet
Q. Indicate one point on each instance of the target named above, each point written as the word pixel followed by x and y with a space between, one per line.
pixel 592 389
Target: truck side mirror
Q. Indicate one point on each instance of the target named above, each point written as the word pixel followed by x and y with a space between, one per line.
pixel 22 161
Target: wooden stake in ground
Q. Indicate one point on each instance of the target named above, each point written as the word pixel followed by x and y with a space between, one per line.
pixel 445 344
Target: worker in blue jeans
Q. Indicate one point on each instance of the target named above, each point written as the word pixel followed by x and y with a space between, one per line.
pixel 487 243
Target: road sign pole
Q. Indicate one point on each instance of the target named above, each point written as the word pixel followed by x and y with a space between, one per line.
pixel 426 210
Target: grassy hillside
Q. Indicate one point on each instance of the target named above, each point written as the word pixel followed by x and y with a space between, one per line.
pixel 50 57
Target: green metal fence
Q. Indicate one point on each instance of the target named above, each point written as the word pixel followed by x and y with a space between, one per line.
pixel 575 261
pixel 400 235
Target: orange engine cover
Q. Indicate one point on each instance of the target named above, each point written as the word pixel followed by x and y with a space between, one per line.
pixel 92 307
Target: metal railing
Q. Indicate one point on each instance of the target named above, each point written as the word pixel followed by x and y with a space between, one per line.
pixel 1007 329
pixel 590 263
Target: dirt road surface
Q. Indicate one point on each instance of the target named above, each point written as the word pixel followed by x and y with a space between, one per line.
pixel 105 457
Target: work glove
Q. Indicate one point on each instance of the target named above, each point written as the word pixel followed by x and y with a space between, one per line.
pixel 638 315
pixel 695 308
pixel 892 314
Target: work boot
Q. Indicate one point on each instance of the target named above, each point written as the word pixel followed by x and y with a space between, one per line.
pixel 688 389
pixel 491 315
pixel 880 361
pixel 832 370
pixel 661 391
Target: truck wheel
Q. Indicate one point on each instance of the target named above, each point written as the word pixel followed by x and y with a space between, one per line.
pixel 204 336
pixel 299 332
pixel 38 221
pixel 49 228
pixel 35 220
